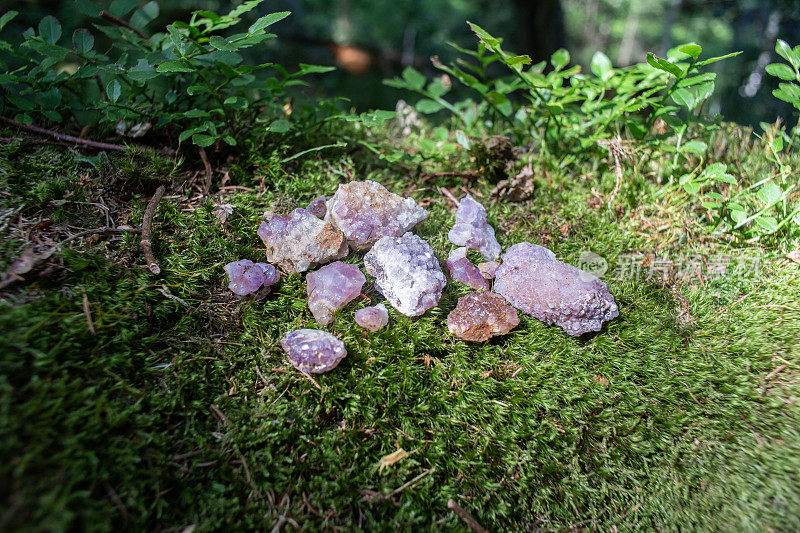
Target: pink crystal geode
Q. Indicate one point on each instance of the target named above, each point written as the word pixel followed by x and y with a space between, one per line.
pixel 299 240
pixel 473 231
pixel 481 315
pixel 372 318
pixel 313 351
pixel 365 211
pixel 535 282
pixel 406 273
pixel 461 269
pixel 246 277
pixel 332 287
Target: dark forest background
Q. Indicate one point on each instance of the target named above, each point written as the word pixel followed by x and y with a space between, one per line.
pixel 370 40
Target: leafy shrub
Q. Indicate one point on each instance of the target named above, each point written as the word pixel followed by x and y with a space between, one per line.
pixel 789 90
pixel 565 109
pixel 189 80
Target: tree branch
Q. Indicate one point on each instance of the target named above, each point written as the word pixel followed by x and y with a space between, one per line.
pixel 62 136
pixel 147 228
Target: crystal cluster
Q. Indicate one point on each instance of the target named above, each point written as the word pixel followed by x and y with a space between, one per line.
pixel 372 318
pixel 461 269
pixel 332 287
pixel 299 240
pixel 246 277
pixel 318 206
pixel 365 211
pixel 313 351
pixel 535 282
pixel 488 269
pixel 473 231
pixel 481 315
pixel 407 273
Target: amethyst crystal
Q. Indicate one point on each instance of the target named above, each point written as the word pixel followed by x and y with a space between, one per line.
pixel 488 269
pixel 372 318
pixel 472 230
pixel 535 282
pixel 407 273
pixel 332 287
pixel 365 211
pixel 317 206
pixel 462 269
pixel 313 351
pixel 481 315
pixel 246 277
pixel 299 240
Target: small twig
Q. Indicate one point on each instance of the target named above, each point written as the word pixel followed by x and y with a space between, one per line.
pixel 466 517
pixel 62 136
pixel 87 312
pixel 119 22
pixel 147 228
pixel 209 172
pixel 449 195
pixel 219 414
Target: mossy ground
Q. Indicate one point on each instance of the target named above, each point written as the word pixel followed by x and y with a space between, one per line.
pixel 181 410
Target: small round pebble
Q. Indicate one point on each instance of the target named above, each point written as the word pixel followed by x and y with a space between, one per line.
pixel 313 351
pixel 372 318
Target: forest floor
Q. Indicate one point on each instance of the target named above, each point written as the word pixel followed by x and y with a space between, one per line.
pixel 130 400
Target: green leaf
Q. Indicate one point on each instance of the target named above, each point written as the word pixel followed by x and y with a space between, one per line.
pixel 142 71
pixel 314 69
pixel 662 64
pixel 82 40
pixel 691 187
pixel 769 193
pixel 174 66
pixel 202 140
pixel 414 78
pixel 491 42
pixel 229 140
pixel 221 43
pixel 25 104
pixel 197 89
pixel 144 16
pixel 236 102
pixel 113 90
pixel 426 106
pixel 694 147
pixel 782 71
pixel 559 59
pixel 437 89
pixel 684 97
pixel 6 18
pixel 601 66
pixel 50 29
pixel 715 59
pixel 783 49
pixel 769 224
pixel 673 121
pixel 88 8
pixel 691 49
pixel 280 126
pixel 463 140
pixel 121 8
pixel 267 20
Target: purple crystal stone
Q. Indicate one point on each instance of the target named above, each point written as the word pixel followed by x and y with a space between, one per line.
pixel 318 206
pixel 480 316
pixel 461 269
pixel 365 211
pixel 246 277
pixel 488 269
pixel 473 231
pixel 313 351
pixel 372 318
pixel 406 273
pixel 299 240
pixel 332 287
pixel 535 282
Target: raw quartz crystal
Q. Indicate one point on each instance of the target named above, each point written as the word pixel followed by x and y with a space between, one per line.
pixel 299 240
pixel 488 269
pixel 332 287
pixel 313 351
pixel 246 277
pixel 407 273
pixel 372 318
pixel 473 231
pixel 365 211
pixel 535 282
pixel 317 206
pixel 461 269
pixel 481 315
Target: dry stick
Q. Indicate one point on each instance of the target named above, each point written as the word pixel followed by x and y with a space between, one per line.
pixel 466 517
pixel 209 173
pixel 119 22
pixel 147 228
pixel 87 312
pixel 61 136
